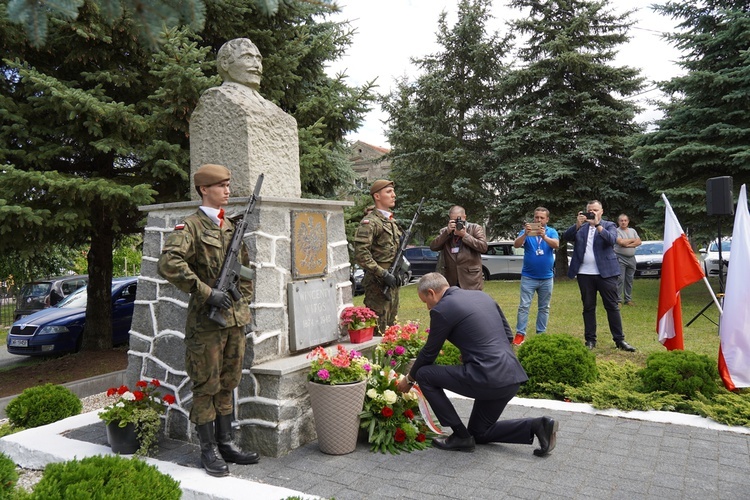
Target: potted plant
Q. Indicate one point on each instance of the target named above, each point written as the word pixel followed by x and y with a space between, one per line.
pixel 336 384
pixel 392 420
pixel 360 321
pixel 133 419
pixel 401 344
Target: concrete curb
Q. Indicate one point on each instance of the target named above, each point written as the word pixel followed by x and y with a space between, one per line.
pixel 82 388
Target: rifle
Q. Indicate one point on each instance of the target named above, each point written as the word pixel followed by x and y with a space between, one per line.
pixel 402 247
pixel 231 269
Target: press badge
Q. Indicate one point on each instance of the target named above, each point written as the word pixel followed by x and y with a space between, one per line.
pixel 539 251
pixel 455 249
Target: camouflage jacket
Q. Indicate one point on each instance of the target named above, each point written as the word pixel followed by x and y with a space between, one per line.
pixel 376 243
pixel 191 260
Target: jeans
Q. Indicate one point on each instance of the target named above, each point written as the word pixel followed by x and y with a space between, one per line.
pixel 627 273
pixel 543 289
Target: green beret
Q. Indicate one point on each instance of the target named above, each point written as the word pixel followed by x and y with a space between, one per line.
pixel 210 174
pixel 380 184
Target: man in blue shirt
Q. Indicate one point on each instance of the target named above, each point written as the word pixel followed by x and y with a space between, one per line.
pixel 539 243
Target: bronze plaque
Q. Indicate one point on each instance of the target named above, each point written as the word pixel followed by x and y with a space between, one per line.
pixel 309 244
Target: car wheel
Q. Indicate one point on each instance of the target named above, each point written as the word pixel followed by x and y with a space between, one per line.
pixel 407 277
pixel 486 274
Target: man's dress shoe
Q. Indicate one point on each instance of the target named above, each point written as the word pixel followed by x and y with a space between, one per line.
pixel 454 443
pixel 624 346
pixel 545 430
pixel 590 344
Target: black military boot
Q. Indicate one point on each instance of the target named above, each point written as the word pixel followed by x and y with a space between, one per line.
pixel 227 448
pixel 210 457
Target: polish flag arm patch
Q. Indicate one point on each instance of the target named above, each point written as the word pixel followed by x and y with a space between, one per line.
pixel 365 221
pixel 179 227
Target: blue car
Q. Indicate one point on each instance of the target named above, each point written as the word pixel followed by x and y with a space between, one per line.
pixel 58 329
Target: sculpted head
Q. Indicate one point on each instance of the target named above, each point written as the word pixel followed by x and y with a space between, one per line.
pixel 239 61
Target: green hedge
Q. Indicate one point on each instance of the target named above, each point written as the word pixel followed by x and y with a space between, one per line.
pixel 42 405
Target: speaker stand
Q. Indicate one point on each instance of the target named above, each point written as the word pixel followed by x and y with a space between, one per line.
pixel 721 282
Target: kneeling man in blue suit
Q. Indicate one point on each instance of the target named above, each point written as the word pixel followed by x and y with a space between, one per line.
pixel 490 373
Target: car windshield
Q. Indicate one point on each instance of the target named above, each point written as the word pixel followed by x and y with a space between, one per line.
pixel 724 246
pixel 77 298
pixel 35 289
pixel 650 249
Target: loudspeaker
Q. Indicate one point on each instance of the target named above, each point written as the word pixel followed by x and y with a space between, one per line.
pixel 719 196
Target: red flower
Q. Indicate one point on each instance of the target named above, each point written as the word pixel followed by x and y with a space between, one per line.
pixel 122 390
pixel 400 436
pixel 409 414
pixel 421 437
pixel 138 395
pixel 169 399
pixel 111 391
pixel 155 383
pixel 141 383
pixel 387 412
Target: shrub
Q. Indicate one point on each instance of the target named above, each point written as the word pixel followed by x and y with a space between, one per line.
pixel 111 477
pixel 42 405
pixel 449 355
pixel 680 372
pixel 558 359
pixel 8 476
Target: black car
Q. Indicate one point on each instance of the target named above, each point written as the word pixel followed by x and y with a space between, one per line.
pixel 422 260
pixel 44 293
pixel 356 276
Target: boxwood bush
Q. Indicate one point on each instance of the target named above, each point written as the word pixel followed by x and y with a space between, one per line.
pixel 42 405
pixel 104 478
pixel 8 476
pixel 680 372
pixel 555 359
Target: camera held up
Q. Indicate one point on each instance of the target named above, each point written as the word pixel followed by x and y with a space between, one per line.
pixel 590 216
pixel 459 224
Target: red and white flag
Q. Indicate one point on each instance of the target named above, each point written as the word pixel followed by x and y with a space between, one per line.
pixel 679 268
pixel 734 325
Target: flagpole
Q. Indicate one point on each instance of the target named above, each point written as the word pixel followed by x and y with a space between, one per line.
pixel 713 295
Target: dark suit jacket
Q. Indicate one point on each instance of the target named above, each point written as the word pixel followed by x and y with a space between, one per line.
pixel 474 323
pixel 604 249
pixel 464 267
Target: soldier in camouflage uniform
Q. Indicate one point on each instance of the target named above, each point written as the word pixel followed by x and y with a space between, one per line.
pixel 375 246
pixel 191 260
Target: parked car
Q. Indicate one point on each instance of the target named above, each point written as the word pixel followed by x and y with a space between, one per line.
pixel 356 276
pixel 648 257
pixel 711 257
pixel 40 294
pixel 422 260
pixel 58 328
pixel 502 261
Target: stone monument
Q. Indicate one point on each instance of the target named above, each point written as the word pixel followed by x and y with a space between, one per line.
pixel 233 125
pixel 298 247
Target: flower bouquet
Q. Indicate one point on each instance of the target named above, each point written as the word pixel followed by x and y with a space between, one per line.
pixel 141 407
pixel 401 344
pixel 343 368
pixel 392 419
pixel 360 321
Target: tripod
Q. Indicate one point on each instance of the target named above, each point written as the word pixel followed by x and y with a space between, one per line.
pixel 721 281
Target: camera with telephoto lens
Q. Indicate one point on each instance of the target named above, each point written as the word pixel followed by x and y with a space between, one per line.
pixel 459 224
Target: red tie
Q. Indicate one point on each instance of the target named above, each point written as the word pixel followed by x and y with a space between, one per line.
pixel 221 217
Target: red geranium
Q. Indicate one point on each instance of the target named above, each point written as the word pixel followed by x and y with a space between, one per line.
pixel 400 436
pixel 386 412
pixel 141 383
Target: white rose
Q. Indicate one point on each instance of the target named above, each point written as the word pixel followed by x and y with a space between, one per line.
pixel 410 396
pixel 390 396
pixel 372 394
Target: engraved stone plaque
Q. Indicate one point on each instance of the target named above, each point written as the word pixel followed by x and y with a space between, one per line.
pixel 309 244
pixel 313 319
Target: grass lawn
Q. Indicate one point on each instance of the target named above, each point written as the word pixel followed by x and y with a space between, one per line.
pixel 639 321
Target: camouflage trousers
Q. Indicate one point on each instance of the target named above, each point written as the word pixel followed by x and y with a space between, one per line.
pixel 213 361
pixel 375 299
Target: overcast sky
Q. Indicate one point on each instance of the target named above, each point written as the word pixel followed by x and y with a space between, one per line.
pixel 390 32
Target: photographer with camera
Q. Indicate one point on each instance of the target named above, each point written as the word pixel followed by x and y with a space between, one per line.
pixel 461 245
pixel 539 242
pixel 594 264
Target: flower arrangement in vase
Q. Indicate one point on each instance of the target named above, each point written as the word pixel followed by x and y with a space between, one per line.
pixel 401 344
pixel 345 367
pixel 392 419
pixel 141 407
pixel 360 321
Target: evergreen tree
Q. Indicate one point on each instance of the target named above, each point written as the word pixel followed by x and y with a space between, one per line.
pixel 94 124
pixel 705 131
pixel 564 139
pixel 441 126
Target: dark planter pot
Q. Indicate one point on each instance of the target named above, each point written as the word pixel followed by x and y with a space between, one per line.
pixel 122 440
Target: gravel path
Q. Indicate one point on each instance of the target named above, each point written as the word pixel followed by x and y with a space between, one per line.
pixel 27 478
